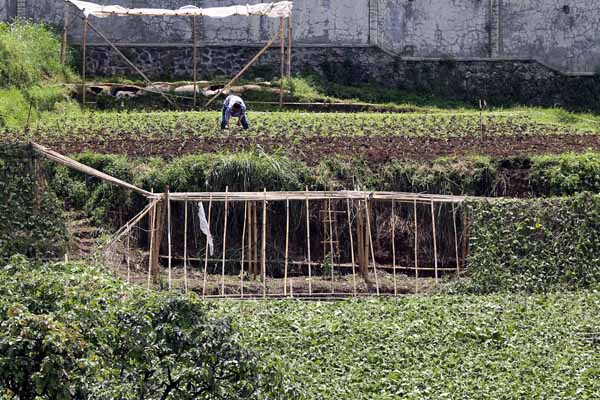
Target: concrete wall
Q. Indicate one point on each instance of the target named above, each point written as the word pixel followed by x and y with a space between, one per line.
pixel 434 28
pixel 562 33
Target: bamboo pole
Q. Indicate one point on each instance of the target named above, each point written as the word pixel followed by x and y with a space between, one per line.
pixel 394 248
pixel 152 217
pixel 128 261
pixel 264 245
pixel 371 245
pixel 351 247
pixel 416 250
pixel 243 244
pixel 158 236
pixel 255 240
pixel 308 245
pixel 206 250
pixel 83 59
pixel 435 257
pixel 360 236
pixel 250 63
pixel 65 39
pixel 455 241
pixel 287 243
pixel 250 229
pixel 282 58
pixel 224 242
pixel 195 59
pixel 169 235
pixel 331 245
pixel 185 261
pixel 289 66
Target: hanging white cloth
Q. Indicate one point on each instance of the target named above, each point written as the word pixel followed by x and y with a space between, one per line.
pixel 205 228
pixel 272 10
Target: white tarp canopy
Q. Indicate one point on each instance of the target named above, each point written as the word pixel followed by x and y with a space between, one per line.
pixel 273 10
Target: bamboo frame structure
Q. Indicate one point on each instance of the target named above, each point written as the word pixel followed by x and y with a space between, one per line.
pixel 159 210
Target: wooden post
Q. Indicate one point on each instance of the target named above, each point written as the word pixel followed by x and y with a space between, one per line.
pixel 206 250
pixel 168 200
pixel 282 58
pixel 331 244
pixel 435 258
pixel 152 218
pixel 394 248
pixel 455 241
pixel 224 242
pixel 255 240
pixel 243 251
pixel 370 238
pixel 127 257
pixel 308 245
pixel 63 49
pixel 351 246
pixel 195 58
pixel 416 250
pixel 287 243
pixel 264 245
pixel 83 60
pixel 289 66
pixel 185 228
pixel 158 235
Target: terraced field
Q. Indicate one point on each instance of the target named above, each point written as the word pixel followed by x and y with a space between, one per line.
pixel 310 136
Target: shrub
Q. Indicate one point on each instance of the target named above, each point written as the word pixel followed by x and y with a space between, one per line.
pixel 534 245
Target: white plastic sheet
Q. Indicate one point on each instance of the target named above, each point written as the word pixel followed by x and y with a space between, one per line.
pixel 205 228
pixel 273 10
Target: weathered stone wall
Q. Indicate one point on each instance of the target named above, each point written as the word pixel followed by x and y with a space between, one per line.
pixel 498 81
pixel 560 33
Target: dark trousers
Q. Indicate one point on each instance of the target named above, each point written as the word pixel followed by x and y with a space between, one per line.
pixel 245 123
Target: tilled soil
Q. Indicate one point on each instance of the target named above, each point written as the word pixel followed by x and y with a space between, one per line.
pixel 375 149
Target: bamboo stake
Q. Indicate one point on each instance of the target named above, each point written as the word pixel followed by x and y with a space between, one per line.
pixel 224 241
pixel 394 248
pixel 455 241
pixel 308 245
pixel 169 235
pixel 63 49
pixel 264 245
pixel 250 228
pixel 243 244
pixel 287 242
pixel 250 63
pixel 282 58
pixel 255 240
pixel 371 245
pixel 185 261
pixel 289 66
pixel 351 247
pixel 83 60
pixel 206 250
pixel 152 217
pixel 331 245
pixel 128 261
pixel 435 258
pixel 195 58
pixel 416 250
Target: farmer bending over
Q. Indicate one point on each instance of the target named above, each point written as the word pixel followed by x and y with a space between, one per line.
pixel 234 107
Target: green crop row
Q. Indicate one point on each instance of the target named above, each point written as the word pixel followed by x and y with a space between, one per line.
pixel 105 126
pixel 440 347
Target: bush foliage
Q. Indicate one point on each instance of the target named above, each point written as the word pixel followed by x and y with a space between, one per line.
pixel 70 331
pixel 534 245
pixel 31 220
